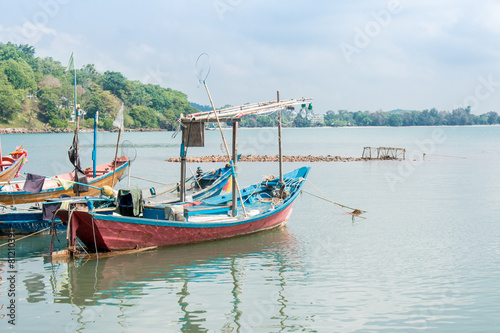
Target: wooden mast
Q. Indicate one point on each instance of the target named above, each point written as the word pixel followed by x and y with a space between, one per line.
pixel 279 141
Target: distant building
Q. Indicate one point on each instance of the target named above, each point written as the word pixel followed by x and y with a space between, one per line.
pixel 318 118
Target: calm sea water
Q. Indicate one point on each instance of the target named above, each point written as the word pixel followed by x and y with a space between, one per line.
pixel 426 258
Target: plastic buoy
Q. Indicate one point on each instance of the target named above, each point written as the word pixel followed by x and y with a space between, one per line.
pixel 108 190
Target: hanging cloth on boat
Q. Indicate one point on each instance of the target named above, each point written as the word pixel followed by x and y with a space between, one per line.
pixel 33 183
pixel 49 210
pixel 130 202
pixel 63 182
pixel 74 158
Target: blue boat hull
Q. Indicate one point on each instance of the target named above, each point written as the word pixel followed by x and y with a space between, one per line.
pixel 21 223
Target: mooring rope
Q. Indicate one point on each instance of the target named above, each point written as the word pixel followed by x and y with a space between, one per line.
pixel 343 207
pixel 149 180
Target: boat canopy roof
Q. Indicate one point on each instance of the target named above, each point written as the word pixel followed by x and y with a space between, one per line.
pixel 234 113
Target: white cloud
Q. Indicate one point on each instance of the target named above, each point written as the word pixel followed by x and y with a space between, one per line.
pixel 489 16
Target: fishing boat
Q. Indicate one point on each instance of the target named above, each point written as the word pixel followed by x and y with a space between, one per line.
pixel 267 205
pixel 10 165
pixel 106 174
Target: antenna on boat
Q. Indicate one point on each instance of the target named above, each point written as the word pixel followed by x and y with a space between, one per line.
pixel 202 69
pixel 73 152
pixel 128 149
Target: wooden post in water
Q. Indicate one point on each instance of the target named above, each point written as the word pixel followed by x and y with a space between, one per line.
pixel 182 184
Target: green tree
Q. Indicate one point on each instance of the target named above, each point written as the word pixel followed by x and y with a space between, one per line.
pixel 394 119
pixel 300 121
pixel 379 118
pixel 54 107
pixel 169 120
pixel 346 117
pixel 49 66
pixel 9 101
pixel 266 121
pixel 116 83
pixel 362 118
pixel 95 99
pixel 160 98
pixel 139 95
pixel 19 74
pixel 329 117
pixel 144 117
pixel 492 117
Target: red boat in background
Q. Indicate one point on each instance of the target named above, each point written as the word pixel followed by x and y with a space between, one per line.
pixel 10 165
pixel 106 174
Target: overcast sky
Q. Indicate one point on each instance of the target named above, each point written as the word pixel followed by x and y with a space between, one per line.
pixel 355 55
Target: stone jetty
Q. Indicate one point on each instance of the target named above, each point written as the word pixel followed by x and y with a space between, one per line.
pixel 268 158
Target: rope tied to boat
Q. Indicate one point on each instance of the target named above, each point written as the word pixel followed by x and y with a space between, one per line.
pixel 354 211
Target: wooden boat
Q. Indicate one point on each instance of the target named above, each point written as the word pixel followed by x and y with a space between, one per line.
pixel 10 165
pixel 268 205
pixel 105 175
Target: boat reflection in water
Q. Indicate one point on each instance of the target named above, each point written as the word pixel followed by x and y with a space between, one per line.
pixel 175 287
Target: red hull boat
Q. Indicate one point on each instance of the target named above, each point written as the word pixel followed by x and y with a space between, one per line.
pixel 268 205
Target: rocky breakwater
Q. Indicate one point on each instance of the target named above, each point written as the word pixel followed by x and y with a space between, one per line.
pixel 268 158
pixel 12 130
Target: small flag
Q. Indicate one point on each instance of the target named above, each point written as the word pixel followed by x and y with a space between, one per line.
pixel 229 185
pixel 118 122
pixel 71 63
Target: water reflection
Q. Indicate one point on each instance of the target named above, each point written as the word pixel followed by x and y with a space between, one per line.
pixel 126 281
pixel 35 287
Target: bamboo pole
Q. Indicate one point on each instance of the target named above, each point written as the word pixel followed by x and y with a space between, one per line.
pixel 225 145
pixel 116 156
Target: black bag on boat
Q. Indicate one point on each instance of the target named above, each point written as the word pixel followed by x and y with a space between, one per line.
pixel 129 202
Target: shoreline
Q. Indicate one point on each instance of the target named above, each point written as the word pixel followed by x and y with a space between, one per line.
pixel 22 130
pixel 14 130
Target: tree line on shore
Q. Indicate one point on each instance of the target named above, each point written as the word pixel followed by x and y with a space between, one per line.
pixel 433 117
